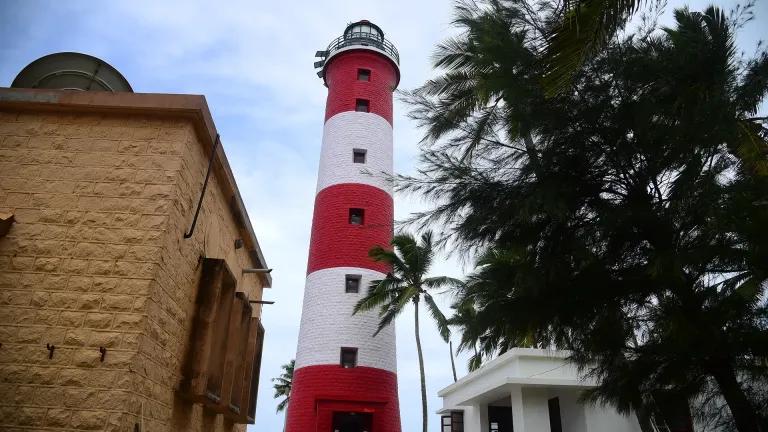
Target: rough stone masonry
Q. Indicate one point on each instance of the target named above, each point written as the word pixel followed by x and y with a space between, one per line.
pixel 102 187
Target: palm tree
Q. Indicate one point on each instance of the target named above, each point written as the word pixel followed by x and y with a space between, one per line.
pixel 283 385
pixel 407 283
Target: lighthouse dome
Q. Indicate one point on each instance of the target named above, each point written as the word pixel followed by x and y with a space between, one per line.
pixel 364 29
pixel 360 35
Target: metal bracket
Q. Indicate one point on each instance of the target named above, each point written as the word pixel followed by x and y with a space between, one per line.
pixel 51 349
pixel 256 270
pixel 261 301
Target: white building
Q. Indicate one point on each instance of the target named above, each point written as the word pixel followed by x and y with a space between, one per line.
pixel 526 390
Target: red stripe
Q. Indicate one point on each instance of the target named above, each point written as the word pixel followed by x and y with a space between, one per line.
pixel 337 243
pixel 344 88
pixel 318 391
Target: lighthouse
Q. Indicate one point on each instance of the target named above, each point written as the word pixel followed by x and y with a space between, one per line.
pixel 345 377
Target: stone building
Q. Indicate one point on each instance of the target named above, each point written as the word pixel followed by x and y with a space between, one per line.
pixel 112 317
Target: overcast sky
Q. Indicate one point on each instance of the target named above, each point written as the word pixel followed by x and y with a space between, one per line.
pixel 253 62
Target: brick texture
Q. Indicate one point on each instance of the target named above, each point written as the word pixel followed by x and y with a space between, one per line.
pixel 344 88
pixel 320 390
pixel 337 243
pixel 351 130
pixel 327 323
pixel 97 258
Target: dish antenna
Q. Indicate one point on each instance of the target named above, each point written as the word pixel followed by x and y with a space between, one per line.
pixel 71 71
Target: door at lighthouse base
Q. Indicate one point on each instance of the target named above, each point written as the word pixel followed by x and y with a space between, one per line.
pixel 352 422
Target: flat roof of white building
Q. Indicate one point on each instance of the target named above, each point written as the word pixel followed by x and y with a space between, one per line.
pixel 523 367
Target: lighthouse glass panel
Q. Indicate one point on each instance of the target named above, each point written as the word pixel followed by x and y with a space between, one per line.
pixel 364 30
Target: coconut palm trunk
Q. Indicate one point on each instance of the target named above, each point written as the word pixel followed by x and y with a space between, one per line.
pixel 421 366
pixel 453 365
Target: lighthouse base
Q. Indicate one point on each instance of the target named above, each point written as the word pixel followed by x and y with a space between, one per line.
pixel 329 398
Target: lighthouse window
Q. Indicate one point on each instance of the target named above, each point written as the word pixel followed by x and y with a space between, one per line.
pixel 352 284
pixel 358 156
pixel 363 75
pixel 348 357
pixel 362 105
pixel 356 216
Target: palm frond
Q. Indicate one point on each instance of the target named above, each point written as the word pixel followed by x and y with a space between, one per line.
pixel 438 317
pixel 386 319
pixel 283 404
pixel 380 254
pixel 586 27
pixel 475 361
pixel 752 148
pixel 380 293
pixel 437 282
pixel 754 85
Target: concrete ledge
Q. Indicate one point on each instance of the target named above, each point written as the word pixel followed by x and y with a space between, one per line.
pixel 501 361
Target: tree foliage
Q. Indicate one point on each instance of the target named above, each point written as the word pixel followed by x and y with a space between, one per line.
pixel 623 219
pixel 283 385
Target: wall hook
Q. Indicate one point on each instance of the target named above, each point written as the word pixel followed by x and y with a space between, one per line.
pixel 50 349
pixel 103 352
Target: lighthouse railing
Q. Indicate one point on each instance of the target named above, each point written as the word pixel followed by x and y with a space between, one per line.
pixel 366 39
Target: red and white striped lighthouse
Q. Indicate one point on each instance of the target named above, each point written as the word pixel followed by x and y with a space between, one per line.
pixel 345 378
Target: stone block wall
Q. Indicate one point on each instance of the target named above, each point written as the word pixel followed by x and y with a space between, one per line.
pixel 97 258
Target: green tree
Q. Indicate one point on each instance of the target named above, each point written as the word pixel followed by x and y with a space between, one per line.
pixel 407 283
pixel 580 29
pixel 623 219
pixel 283 385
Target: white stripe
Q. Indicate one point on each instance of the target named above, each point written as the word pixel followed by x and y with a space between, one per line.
pixel 327 323
pixel 350 130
